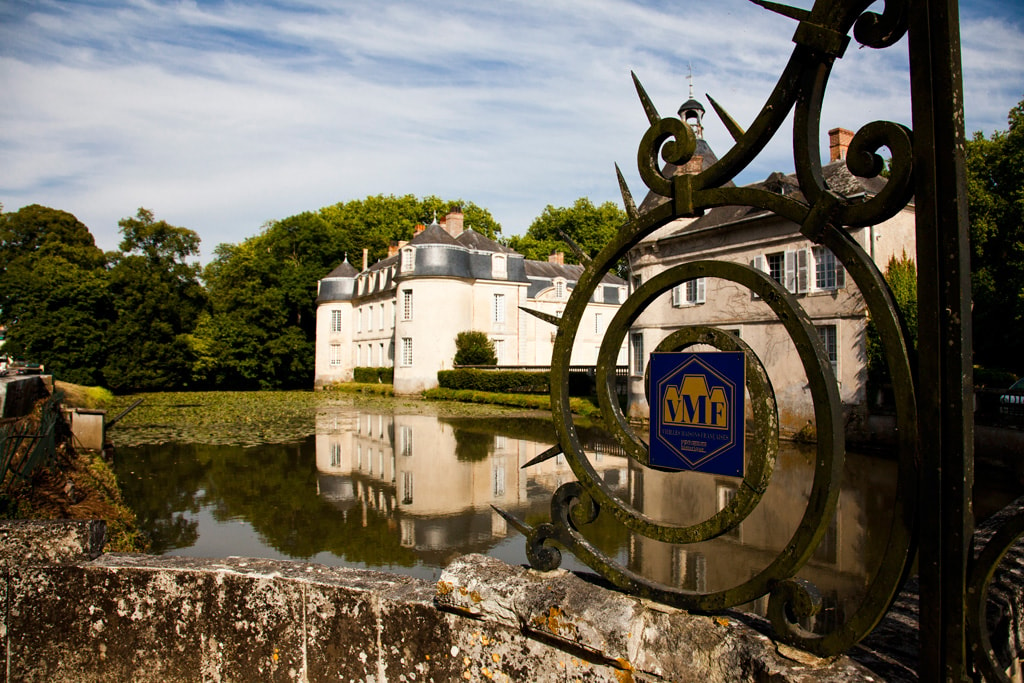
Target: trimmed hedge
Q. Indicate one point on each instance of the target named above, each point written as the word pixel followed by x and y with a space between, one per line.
pixel 579 406
pixel 512 381
pixel 373 375
pixel 496 381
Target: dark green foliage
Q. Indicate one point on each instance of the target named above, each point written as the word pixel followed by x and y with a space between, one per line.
pixel 54 297
pixel 501 381
pixel 995 191
pixel 474 348
pixel 901 275
pixel 158 300
pixel 260 330
pixel 373 375
pixel 590 227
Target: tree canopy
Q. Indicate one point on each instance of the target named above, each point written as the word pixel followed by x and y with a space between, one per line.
pixel 590 227
pixel 995 190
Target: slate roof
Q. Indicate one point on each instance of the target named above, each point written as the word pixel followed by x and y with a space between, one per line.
pixel 836 175
pixel 344 269
pixel 434 234
pixel 471 239
pixel 569 271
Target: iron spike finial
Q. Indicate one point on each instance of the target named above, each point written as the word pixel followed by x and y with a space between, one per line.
pixel 580 254
pixel 652 113
pixel 784 10
pixel 627 196
pixel 518 524
pixel 546 317
pixel 730 123
pixel 541 457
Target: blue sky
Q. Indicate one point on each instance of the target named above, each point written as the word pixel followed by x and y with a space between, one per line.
pixel 220 116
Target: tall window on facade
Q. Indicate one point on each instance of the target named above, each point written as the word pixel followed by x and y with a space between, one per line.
pixel 335 321
pixel 598 323
pixel 639 362
pixel 380 355
pixel 407 260
pixel 776 266
pixel 406 304
pixel 830 340
pixel 359 319
pixel 406 488
pixel 689 293
pixel 559 289
pixel 380 322
pixel 406 351
pixel 636 281
pixel 499 349
pixel 828 272
pixel 499 308
pixel 335 357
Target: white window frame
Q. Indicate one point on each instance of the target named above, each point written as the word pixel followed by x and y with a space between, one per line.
pixel 637 360
pixel 406 304
pixel 336 319
pixel 498 312
pixel 559 289
pixel 689 293
pixel 598 322
pixel 408 259
pixel 381 321
pixel 826 267
pixel 825 331
pixel 499 349
pixel 336 355
pixel 406 352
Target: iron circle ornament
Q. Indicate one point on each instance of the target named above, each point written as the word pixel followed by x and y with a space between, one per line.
pixel 827 408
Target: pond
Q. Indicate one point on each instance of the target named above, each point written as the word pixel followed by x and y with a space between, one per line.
pixel 407 486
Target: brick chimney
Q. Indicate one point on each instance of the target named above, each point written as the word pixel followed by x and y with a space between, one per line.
pixel 692 167
pixel 366 259
pixel 838 142
pixel 452 223
pixel 419 228
pixel 394 247
pixel 557 257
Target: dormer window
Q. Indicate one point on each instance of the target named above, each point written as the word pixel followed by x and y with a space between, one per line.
pixel 408 262
pixel 559 289
pixel 499 267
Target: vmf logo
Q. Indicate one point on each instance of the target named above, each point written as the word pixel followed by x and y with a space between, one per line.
pixel 691 403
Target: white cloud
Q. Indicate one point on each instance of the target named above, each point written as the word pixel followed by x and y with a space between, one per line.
pixel 221 116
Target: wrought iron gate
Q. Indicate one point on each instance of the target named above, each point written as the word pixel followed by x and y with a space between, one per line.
pixel 932 515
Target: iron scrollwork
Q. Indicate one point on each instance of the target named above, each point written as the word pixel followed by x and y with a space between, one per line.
pixel 823 214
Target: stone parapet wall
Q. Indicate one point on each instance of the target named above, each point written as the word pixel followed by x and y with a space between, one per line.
pixel 73 616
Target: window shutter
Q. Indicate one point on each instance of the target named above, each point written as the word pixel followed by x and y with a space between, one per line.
pixel 757 264
pixel 791 268
pixel 803 260
pixel 700 291
pixel 677 296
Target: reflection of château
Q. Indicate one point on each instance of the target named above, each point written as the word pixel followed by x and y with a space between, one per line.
pixel 437 480
pixel 844 559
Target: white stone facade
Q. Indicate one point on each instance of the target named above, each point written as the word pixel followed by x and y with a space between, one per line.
pixel 405 311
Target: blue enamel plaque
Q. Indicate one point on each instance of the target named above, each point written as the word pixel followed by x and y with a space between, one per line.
pixel 697 411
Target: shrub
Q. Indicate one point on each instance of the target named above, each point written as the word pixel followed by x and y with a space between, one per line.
pixel 373 375
pixel 498 381
pixel 474 348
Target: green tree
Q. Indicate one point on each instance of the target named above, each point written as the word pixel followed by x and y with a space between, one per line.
pixel 158 299
pixel 54 297
pixel 376 221
pixel 901 275
pixel 590 227
pixel 995 191
pixel 474 348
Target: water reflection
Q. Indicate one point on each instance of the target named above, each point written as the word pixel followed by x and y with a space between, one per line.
pixel 409 492
pixel 371 489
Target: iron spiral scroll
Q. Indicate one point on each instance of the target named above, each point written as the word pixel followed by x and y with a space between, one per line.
pixel 821 37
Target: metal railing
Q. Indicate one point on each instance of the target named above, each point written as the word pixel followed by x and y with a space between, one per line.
pixel 931 516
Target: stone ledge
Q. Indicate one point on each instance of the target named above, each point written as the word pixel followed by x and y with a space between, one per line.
pixel 51 542
pixel 625 633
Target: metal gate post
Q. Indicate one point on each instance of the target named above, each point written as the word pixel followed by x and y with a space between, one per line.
pixel 945 399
